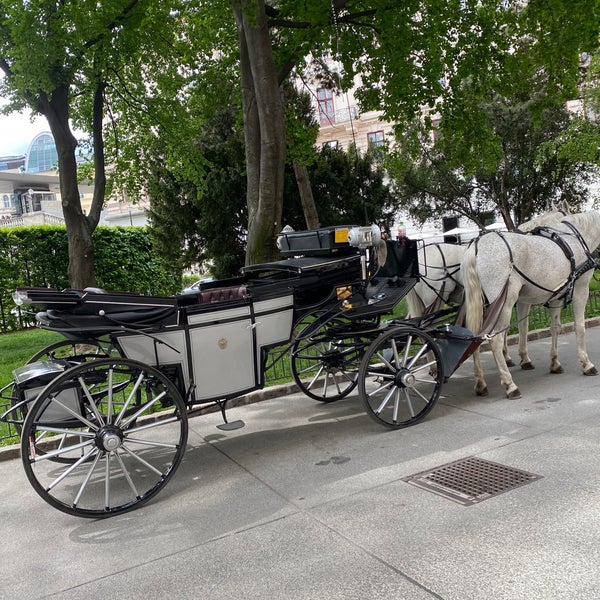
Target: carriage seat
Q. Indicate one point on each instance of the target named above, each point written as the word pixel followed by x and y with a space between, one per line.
pixel 221 294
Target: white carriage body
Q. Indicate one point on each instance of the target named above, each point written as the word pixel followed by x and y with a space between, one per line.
pixel 220 347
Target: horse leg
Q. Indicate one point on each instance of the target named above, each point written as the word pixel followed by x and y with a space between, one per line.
pixel 509 361
pixel 496 342
pixel 512 391
pixel 580 296
pixel 555 328
pixel 523 322
pixel 481 388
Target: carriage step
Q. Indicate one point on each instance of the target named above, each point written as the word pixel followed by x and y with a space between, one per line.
pixel 231 426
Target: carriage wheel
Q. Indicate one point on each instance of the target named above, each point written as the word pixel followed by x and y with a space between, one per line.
pixel 119 428
pixel 325 364
pixel 77 351
pixel 401 377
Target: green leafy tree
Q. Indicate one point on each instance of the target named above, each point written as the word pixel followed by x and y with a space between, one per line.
pixel 160 68
pixel 349 189
pixel 191 227
pixel 519 177
pixel 59 59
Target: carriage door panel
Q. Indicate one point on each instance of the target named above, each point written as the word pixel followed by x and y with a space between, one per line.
pixel 223 350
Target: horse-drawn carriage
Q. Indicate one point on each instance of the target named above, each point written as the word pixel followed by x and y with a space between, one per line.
pixel 103 417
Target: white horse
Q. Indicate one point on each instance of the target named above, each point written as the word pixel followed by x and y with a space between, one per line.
pixel 441 280
pixel 530 269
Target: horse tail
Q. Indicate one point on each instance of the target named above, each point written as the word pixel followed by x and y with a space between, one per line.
pixel 416 307
pixel 473 291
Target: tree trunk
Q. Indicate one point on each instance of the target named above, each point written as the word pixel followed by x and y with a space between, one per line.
pixel 306 196
pixel 79 232
pixel 264 130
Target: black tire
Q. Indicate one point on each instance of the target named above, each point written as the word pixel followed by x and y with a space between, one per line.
pixel 119 429
pixel 401 377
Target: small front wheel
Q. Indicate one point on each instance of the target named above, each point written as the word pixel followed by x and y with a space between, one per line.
pixel 104 437
pixel 401 377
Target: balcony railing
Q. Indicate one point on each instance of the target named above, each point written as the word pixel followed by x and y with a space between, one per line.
pixel 341 115
pixel 35 218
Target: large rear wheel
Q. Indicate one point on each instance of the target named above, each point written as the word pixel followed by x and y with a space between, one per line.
pixel 325 358
pixel 118 429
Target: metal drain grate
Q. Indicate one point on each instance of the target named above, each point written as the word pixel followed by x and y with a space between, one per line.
pixel 471 480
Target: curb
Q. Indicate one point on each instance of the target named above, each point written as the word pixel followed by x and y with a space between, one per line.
pixel 14 451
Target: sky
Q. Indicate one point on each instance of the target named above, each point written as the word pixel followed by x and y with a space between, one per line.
pixel 17 131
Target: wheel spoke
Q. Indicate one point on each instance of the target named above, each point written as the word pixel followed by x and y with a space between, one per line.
pixel 86 479
pixel 127 476
pixel 396 386
pixel 70 469
pixel 137 425
pixel 91 401
pixel 127 402
pixel 411 410
pixel 141 460
pixel 77 415
pixel 55 453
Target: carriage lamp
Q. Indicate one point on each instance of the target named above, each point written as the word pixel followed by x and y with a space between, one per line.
pixel 20 297
pixel 364 237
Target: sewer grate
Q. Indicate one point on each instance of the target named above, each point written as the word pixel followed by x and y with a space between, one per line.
pixel 471 480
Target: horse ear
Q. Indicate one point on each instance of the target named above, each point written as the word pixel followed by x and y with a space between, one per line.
pixel 565 207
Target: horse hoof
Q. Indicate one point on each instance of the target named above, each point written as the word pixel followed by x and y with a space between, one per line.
pixel 591 371
pixel 482 392
pixel 557 370
pixel 514 395
pixel 527 366
pixel 510 363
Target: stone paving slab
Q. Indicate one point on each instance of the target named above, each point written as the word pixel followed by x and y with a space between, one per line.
pixel 308 502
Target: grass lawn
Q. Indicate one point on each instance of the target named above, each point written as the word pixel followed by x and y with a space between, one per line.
pixel 17 348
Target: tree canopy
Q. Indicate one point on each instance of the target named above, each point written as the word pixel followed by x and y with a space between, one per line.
pixel 150 74
pixel 59 59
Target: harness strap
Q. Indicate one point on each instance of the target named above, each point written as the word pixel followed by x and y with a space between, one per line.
pixel 447 274
pixel 576 271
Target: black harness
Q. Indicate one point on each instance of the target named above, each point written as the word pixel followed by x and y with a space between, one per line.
pixel 448 272
pixel 565 291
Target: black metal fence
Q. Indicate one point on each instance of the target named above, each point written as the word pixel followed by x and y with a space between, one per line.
pixel 278 364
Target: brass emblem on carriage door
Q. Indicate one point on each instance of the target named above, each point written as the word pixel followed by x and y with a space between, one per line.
pixel 222 343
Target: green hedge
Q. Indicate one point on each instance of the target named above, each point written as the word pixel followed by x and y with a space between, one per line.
pixel 38 257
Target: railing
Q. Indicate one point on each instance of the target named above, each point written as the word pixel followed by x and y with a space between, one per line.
pixel 36 218
pixel 339 116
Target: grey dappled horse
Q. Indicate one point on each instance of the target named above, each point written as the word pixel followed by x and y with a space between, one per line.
pixel 512 268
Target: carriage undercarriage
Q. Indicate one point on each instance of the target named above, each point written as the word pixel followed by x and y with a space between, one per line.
pixel 103 417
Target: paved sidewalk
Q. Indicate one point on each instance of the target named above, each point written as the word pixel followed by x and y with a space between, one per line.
pixel 308 501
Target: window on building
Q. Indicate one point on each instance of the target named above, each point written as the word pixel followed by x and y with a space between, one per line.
pixel 326 109
pixel 6 201
pixel 333 144
pixel 435 129
pixel 375 138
